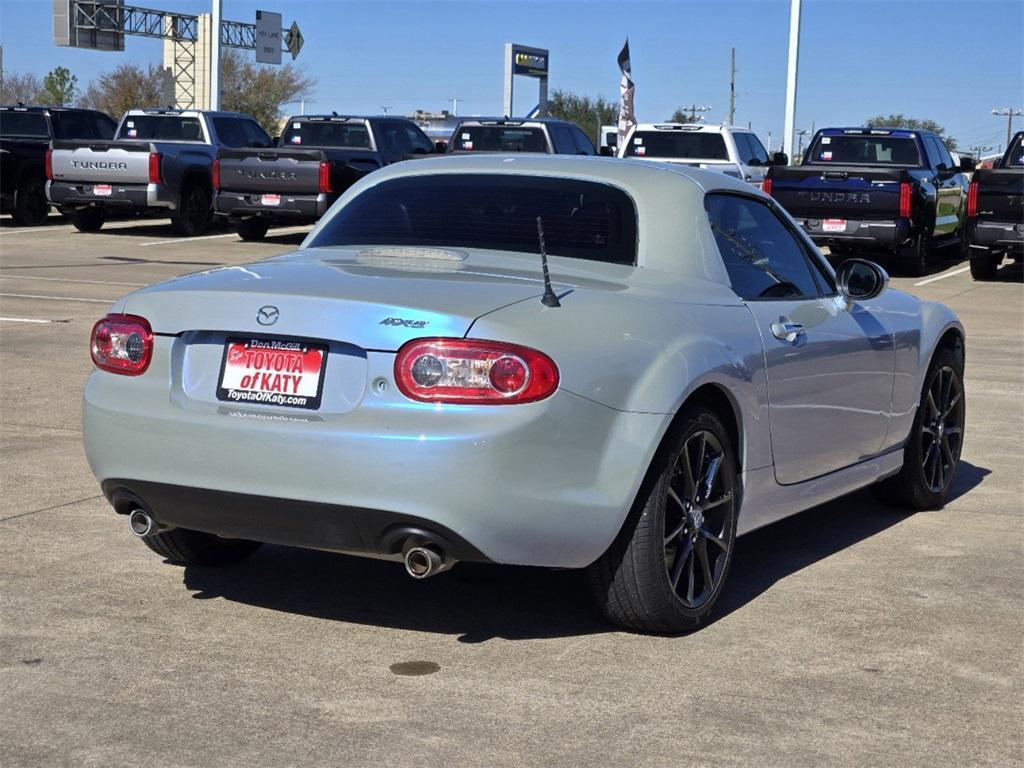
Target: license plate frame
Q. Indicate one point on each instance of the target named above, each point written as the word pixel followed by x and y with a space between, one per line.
pixel 833 225
pixel 270 200
pixel 102 190
pixel 274 372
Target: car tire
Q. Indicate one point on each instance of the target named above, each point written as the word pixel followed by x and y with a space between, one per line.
pixel 984 264
pixel 193 216
pixel 88 219
pixel 252 229
pixel 678 536
pixel 932 453
pixel 31 208
pixel 913 258
pixel 187 547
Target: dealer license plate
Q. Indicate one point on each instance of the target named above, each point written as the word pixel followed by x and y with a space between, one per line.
pixel 102 190
pixel 271 372
pixel 833 225
pixel 270 199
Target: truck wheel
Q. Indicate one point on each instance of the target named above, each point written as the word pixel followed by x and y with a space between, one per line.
pixel 88 219
pixel 666 569
pixel 984 264
pixel 187 547
pixel 913 258
pixel 193 215
pixel 31 208
pixel 252 229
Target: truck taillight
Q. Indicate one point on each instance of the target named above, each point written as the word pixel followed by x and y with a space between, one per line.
pixel 905 199
pixel 972 200
pixel 154 168
pixel 49 164
pixel 766 187
pixel 473 372
pixel 325 177
pixel 216 174
pixel 122 344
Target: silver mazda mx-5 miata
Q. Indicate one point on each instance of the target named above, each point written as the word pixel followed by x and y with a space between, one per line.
pixel 567 362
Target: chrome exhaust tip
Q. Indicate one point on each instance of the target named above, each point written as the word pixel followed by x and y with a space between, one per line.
pixel 141 524
pixel 426 560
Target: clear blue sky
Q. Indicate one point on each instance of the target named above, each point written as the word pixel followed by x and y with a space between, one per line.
pixel 950 61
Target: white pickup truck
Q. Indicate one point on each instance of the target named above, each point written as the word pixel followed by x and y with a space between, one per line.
pixel 734 151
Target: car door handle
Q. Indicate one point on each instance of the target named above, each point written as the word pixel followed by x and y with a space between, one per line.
pixel 787 331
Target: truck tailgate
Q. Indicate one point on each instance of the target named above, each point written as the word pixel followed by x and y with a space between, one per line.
pixel 120 162
pixel 1000 194
pixel 289 171
pixel 838 192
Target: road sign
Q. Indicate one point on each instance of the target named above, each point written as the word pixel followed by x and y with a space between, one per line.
pixel 268 37
pixel 293 39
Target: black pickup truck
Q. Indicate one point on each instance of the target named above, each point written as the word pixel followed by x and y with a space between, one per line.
pixel 316 159
pixel 895 189
pixel 25 135
pixel 995 212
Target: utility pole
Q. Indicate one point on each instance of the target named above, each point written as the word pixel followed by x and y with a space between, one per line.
pixel 385 109
pixel 1009 113
pixel 455 105
pixel 791 76
pixel 976 151
pixel 800 141
pixel 732 87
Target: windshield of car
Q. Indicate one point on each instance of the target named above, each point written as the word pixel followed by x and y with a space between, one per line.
pixel 498 138
pixel 326 133
pixel 498 212
pixel 677 144
pixel 23 124
pixel 864 150
pixel 161 128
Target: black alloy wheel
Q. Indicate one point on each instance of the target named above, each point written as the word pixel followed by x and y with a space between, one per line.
pixel 941 433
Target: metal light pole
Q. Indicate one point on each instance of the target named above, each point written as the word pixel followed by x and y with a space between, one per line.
pixel 732 87
pixel 215 55
pixel 791 76
pixel 1009 113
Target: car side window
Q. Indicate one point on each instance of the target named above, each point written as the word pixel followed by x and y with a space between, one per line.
pixel 561 137
pixel 584 146
pixel 945 158
pixel 417 140
pixel 932 151
pixel 752 149
pixel 764 258
pixel 229 132
pixel 255 136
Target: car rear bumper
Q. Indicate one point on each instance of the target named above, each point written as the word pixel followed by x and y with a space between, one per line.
pixel 887 234
pixel 999 235
pixel 69 195
pixel 546 483
pixel 291 207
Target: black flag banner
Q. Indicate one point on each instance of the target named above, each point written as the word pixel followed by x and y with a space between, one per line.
pixel 627 117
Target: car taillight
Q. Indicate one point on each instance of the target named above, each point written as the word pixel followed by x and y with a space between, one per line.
pixel 972 200
pixel 325 177
pixel 905 199
pixel 49 164
pixel 122 344
pixel 154 168
pixel 473 372
pixel 216 174
pixel 766 187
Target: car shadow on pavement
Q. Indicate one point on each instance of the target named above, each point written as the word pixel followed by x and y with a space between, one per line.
pixel 481 602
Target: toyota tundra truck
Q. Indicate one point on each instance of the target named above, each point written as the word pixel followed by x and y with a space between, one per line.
pixel 160 160
pixel 995 212
pixel 317 158
pixel 892 189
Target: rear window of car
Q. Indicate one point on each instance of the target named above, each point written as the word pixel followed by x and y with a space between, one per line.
pixel 82 125
pixel 23 124
pixel 498 138
pixel 864 150
pixel 161 128
pixel 581 219
pixel 326 133
pixel 678 144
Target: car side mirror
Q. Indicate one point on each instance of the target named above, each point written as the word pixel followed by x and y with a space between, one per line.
pixel 860 279
pixel 440 147
pixel 606 152
pixel 780 158
pixel 968 164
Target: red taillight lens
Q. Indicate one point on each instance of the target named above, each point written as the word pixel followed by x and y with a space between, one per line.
pixel 122 344
pixel 49 164
pixel 216 174
pixel 972 200
pixel 905 199
pixel 474 372
pixel 766 187
pixel 325 177
pixel 154 168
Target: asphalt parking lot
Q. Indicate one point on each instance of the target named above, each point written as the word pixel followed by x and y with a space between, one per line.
pixel 852 634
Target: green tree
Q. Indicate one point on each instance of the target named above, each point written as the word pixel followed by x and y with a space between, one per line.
pixel 903 121
pixel 589 114
pixel 261 91
pixel 16 87
pixel 127 87
pixel 60 88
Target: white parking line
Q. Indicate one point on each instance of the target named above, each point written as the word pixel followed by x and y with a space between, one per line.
pixel 21 230
pixel 56 298
pixel 943 276
pixel 177 241
pixel 67 280
pixel 22 320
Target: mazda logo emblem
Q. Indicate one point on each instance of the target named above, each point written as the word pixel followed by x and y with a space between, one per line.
pixel 267 315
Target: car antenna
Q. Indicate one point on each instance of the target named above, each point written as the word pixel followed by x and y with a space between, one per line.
pixel 549 299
